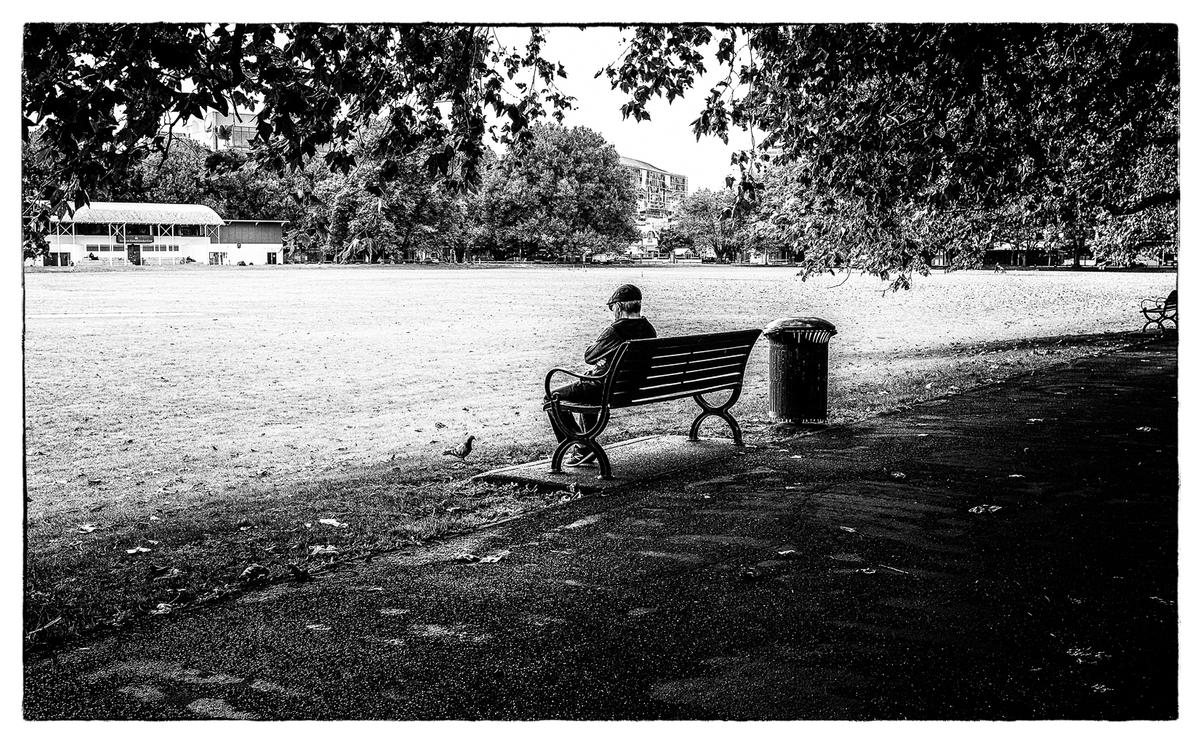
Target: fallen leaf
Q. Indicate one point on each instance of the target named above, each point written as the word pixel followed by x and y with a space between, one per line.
pixel 137 550
pixel 847 528
pixel 171 574
pixel 466 557
pixel 495 557
pixel 161 609
pixel 328 549
pixel 318 627
pixel 332 522
pixel 254 572
pixel 87 528
pixel 898 476
pixel 155 518
pixel 1036 420
pixel 985 508
pixel 1143 429
pixel 1015 476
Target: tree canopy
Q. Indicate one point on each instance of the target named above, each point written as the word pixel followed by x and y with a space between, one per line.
pixel 707 221
pixel 100 94
pixel 888 142
pixel 563 189
pixel 899 140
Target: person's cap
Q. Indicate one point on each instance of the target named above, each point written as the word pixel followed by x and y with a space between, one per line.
pixel 625 293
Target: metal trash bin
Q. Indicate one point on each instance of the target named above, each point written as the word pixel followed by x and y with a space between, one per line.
pixel 799 369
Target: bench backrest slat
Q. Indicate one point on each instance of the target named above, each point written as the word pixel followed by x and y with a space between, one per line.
pixel 631 373
pixel 659 369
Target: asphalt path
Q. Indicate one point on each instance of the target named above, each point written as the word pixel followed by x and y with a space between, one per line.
pixel 1005 553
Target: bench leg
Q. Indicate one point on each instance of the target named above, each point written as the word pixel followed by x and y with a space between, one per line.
pixel 719 411
pixel 602 460
pixel 559 453
pixel 1159 322
pixel 585 439
pixel 1159 317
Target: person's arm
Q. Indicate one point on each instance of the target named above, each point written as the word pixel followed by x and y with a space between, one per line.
pixel 604 345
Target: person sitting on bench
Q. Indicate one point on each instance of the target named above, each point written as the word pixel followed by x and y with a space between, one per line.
pixel 628 325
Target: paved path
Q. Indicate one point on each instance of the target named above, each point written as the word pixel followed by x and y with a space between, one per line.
pixel 1022 566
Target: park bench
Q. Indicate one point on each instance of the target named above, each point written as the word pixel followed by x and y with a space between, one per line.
pixel 643 372
pixel 1161 309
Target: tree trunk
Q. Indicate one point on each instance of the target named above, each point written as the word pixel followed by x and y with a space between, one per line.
pixel 412 223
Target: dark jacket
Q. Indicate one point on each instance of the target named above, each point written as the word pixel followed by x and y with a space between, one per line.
pixel 625 329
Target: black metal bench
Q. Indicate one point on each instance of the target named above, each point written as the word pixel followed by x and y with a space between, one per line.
pixel 654 370
pixel 1161 309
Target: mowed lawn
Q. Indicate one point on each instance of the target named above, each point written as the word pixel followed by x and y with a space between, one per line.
pixel 194 432
pixel 207 380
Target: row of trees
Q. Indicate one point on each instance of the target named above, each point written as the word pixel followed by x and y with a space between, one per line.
pixel 893 142
pixel 559 193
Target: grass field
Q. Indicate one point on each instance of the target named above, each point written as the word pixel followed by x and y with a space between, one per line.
pixel 214 412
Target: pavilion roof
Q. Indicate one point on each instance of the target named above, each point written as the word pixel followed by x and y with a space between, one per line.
pixel 111 212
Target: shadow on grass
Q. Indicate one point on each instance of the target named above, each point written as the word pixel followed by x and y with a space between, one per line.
pixel 79 584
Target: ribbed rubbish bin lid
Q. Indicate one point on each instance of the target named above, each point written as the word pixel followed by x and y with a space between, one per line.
pixel 807 327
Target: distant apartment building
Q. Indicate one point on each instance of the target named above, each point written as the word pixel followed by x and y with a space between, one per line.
pixel 219 131
pixel 659 192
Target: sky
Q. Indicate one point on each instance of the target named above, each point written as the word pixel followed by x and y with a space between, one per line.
pixel 666 140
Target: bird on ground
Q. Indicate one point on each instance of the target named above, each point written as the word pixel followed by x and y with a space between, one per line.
pixel 460 451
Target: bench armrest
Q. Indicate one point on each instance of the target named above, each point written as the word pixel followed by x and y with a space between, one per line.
pixel 586 377
pixel 1154 303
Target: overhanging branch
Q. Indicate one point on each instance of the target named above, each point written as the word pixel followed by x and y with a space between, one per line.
pixel 1157 199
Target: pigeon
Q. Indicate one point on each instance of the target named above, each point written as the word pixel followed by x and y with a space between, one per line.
pixel 462 451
